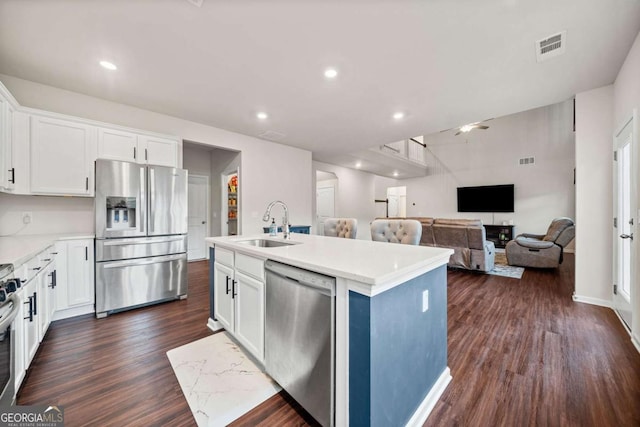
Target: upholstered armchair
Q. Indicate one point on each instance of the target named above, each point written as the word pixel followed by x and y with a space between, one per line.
pixel 541 251
pixel 341 227
pixel 405 231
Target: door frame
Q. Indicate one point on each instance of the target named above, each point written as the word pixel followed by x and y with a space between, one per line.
pixel 207 230
pixel 634 300
pixel 224 220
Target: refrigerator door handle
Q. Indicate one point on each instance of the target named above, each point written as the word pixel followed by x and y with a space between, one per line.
pixel 142 261
pixel 142 241
pixel 152 190
pixel 144 207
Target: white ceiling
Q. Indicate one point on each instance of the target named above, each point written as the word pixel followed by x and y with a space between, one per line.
pixel 444 63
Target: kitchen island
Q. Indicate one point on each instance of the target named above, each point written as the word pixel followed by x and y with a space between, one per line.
pixel 390 320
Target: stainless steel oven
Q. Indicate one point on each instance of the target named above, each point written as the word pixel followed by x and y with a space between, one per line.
pixel 9 306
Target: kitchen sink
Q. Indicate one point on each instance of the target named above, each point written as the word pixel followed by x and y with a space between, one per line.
pixel 265 243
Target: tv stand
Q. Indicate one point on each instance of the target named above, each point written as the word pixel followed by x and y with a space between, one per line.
pixel 500 235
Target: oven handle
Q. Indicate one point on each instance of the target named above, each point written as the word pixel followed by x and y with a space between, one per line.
pixel 6 321
pixel 143 261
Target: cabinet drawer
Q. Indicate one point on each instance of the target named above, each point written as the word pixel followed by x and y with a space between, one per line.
pixel 224 256
pixel 250 266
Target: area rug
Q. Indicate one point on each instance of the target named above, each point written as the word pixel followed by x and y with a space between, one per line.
pixel 501 268
pixel 218 380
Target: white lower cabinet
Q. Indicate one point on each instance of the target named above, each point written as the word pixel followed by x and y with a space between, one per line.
pixel 239 298
pixel 224 301
pixel 31 321
pixel 250 314
pixel 75 291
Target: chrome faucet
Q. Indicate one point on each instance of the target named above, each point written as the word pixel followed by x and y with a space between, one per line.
pixel 285 220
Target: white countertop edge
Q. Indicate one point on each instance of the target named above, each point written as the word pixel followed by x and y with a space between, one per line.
pixel 365 285
pixel 374 290
pixel 24 247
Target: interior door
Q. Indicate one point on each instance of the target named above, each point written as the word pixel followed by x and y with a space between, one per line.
pixel 624 208
pixel 325 206
pixel 198 214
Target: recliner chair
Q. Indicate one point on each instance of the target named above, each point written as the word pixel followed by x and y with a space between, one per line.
pixel 405 231
pixel 541 251
pixel 341 227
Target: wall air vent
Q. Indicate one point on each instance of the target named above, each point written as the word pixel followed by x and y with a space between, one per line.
pixel 551 46
pixel 526 161
pixel 272 136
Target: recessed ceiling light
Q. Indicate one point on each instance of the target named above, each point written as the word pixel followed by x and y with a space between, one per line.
pixel 399 115
pixel 395 173
pixel 358 165
pixel 262 115
pixel 108 65
pixel 330 73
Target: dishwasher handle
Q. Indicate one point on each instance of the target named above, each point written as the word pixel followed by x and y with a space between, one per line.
pixel 310 279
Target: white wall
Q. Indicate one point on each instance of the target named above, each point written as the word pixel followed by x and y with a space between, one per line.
pixel 594 211
pixel 626 98
pixel 197 160
pixel 357 191
pixel 543 191
pixel 50 215
pixel 270 171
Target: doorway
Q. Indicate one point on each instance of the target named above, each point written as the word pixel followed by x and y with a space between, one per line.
pixel 397 202
pixel 326 190
pixel 624 207
pixel 230 203
pixel 198 227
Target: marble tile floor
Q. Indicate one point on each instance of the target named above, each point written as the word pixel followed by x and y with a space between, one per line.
pixel 218 380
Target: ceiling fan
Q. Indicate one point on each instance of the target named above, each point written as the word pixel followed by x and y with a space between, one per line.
pixel 470 127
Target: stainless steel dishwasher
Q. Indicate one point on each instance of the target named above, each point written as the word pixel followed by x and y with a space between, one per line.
pixel 300 336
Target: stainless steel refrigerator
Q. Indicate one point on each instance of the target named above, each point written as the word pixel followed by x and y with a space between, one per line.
pixel 141 235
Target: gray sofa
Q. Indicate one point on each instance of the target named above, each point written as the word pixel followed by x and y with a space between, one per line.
pixel 467 238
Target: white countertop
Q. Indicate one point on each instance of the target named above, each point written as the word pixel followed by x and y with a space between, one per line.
pixel 18 249
pixel 368 262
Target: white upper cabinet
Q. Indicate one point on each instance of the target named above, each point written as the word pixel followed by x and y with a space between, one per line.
pixel 117 145
pixel 62 156
pixel 158 151
pixel 7 169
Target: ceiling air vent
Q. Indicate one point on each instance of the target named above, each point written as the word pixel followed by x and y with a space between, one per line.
pixel 526 161
pixel 272 136
pixel 551 46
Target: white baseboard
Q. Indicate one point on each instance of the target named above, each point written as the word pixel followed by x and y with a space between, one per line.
pixel 422 413
pixel 592 301
pixel 73 312
pixel 214 325
pixel 636 342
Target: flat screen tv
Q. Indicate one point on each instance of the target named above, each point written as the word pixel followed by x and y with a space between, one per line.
pixel 488 198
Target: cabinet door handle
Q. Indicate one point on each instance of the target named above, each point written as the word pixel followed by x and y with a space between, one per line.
pixel 86 253
pixel 47 259
pixel 13 175
pixel 227 285
pixel 37 268
pixel 35 303
pixel 54 279
pixel 86 183
pixel 30 316
pixel 134 153
pixel 233 287
pixel 146 157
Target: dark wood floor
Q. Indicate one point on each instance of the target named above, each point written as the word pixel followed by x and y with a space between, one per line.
pixel 520 352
